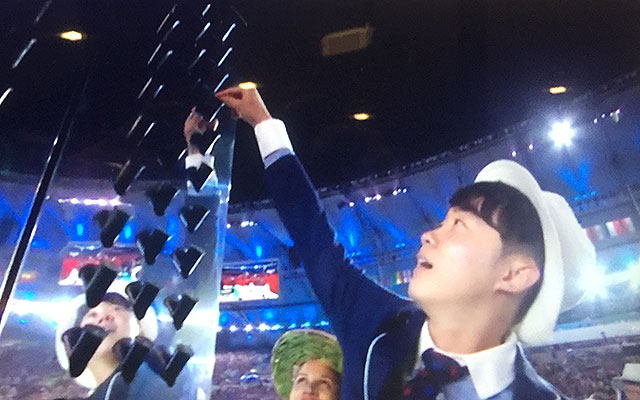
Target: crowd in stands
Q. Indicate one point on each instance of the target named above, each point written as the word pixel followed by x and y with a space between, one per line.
pixel 243 375
pixel 28 373
pixel 585 369
pixel 580 370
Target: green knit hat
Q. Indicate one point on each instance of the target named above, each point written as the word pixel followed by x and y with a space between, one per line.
pixel 295 348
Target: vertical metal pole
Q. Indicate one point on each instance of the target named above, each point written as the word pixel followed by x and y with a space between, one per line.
pixel 28 230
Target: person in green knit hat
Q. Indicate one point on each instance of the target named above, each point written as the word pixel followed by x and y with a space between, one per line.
pixel 307 364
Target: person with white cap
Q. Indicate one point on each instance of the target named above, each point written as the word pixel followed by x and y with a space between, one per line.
pixel 496 272
pixel 627 386
pixel 101 376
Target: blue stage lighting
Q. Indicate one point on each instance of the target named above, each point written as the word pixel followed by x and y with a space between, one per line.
pixel 127 232
pixel 268 314
pixel 79 230
pixel 224 319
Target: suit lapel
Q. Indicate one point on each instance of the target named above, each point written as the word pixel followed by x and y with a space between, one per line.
pixel 394 353
pixel 528 385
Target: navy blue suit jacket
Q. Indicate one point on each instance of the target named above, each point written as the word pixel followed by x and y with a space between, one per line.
pixel 378 330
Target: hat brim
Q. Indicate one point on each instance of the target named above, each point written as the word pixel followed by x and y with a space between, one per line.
pixel 619 382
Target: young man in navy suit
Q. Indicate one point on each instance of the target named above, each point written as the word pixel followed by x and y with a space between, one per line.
pixel 495 273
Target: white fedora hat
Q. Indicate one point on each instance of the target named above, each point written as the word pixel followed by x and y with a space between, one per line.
pixel 567 251
pixel 630 374
pixel 148 328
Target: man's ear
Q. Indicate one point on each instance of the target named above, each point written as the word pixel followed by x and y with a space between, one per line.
pixel 520 272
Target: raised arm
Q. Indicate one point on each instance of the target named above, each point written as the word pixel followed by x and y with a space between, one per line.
pixel 352 301
pixel 196 124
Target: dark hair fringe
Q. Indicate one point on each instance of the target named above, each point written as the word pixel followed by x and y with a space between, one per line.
pixel 512 214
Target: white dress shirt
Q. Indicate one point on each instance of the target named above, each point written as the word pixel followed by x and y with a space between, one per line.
pixel 491 370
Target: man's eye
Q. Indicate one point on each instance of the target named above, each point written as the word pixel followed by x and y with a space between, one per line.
pixel 458 221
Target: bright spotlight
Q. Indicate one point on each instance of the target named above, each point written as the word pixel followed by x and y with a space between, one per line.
pixel 72 36
pixel 562 134
pixel 634 276
pixel 361 116
pixel 558 90
pixel 594 283
pixel 247 85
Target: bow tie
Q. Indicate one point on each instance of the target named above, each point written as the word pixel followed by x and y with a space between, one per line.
pixel 437 371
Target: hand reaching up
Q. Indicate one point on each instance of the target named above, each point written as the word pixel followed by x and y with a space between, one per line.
pixel 195 123
pixel 246 104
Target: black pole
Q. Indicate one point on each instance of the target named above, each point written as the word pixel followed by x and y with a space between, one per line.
pixel 26 235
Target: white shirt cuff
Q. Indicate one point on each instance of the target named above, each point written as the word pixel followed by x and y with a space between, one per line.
pixel 271 136
pixel 194 160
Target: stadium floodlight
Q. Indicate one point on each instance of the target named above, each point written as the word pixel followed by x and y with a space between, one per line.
pixel 594 283
pixel 562 133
